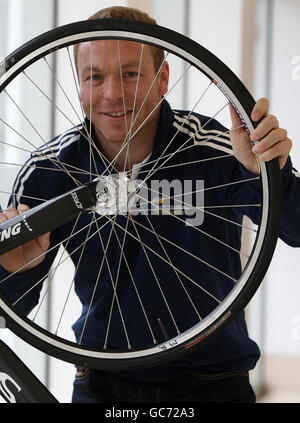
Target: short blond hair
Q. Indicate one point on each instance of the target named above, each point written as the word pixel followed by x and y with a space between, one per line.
pixel 129 13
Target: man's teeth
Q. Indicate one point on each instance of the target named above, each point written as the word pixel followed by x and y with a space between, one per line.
pixel 116 114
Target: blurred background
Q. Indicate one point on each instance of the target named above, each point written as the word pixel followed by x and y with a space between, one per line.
pixel 260 41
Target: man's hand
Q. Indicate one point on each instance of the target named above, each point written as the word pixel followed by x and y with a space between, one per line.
pixel 270 140
pixel 28 255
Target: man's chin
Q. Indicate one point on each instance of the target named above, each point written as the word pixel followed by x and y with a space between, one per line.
pixel 116 140
pixel 112 139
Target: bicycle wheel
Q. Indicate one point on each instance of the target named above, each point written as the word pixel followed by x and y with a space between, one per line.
pixel 161 254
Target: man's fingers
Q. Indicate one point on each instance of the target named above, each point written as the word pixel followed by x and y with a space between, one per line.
pixel 281 150
pixel 11 212
pixel 260 109
pixel 44 241
pixel 271 139
pixel 269 123
pixel 3 217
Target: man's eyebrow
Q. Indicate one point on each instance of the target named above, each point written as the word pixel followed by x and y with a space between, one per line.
pixel 135 63
pixel 91 68
pixel 130 64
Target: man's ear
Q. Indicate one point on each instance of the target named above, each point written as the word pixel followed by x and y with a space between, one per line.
pixel 164 79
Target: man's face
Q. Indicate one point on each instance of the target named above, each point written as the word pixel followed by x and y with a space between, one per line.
pixel 110 81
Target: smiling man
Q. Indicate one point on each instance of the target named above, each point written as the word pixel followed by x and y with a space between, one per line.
pixel 109 73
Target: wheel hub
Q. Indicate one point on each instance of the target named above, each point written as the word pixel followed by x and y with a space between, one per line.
pixel 112 195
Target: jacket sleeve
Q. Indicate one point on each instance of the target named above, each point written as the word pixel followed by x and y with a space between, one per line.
pixel 290 218
pixel 24 288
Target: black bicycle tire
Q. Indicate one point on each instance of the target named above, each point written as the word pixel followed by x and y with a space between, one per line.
pixel 272 170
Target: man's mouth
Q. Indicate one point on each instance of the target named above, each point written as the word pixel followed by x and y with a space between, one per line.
pixel 118 114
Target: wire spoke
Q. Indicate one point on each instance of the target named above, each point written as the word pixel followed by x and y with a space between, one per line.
pixel 124 104
pixel 77 88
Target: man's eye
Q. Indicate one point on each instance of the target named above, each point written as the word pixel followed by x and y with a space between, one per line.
pixel 131 74
pixel 93 77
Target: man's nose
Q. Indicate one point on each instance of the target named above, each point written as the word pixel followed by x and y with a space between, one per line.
pixel 113 88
